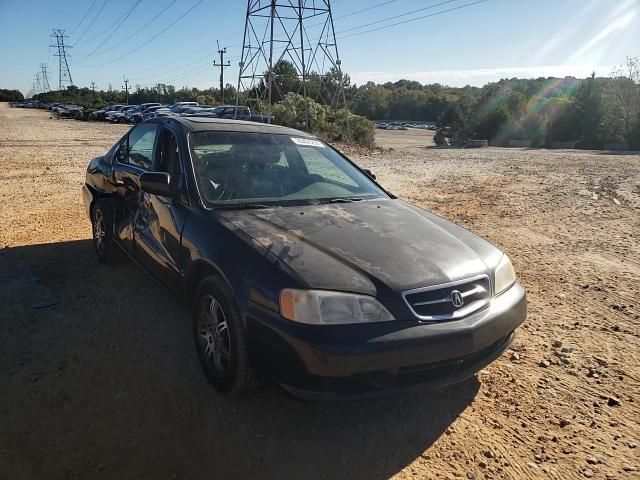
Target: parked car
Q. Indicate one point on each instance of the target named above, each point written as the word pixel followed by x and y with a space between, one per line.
pixel 182 108
pixel 298 267
pixel 68 111
pixel 236 113
pixel 119 115
pixel 150 112
pixel 187 110
pixel 182 104
pixel 130 114
pixel 100 114
pixel 137 115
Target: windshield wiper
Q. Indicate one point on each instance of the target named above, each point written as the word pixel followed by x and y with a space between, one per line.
pixel 342 200
pixel 242 206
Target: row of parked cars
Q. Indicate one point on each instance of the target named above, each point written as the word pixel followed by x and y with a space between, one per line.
pixel 138 113
pixel 120 113
pixel 403 126
pixel 62 110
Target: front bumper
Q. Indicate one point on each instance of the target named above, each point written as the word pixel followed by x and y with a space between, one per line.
pixel 327 362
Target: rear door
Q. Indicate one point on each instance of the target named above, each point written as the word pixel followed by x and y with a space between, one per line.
pixel 161 220
pixel 133 157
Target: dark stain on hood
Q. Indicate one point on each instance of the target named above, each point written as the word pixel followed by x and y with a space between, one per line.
pixel 367 245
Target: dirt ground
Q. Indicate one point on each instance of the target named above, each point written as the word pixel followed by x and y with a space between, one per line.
pixel 404 139
pixel 100 378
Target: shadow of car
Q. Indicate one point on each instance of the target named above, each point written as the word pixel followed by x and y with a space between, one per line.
pixel 100 363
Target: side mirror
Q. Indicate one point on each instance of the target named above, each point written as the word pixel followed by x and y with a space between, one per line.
pixel 369 173
pixel 157 183
pixel 121 154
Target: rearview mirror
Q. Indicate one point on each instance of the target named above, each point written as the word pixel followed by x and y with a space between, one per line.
pixel 157 183
pixel 369 173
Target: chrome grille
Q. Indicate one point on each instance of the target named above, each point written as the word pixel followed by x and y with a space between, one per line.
pixel 451 300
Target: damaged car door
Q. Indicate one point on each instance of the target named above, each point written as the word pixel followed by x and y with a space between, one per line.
pixel 160 219
pixel 133 157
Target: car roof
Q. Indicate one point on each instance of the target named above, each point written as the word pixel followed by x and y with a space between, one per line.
pixel 201 124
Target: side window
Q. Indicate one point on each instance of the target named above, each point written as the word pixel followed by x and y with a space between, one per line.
pixel 141 141
pixel 168 158
pixel 318 164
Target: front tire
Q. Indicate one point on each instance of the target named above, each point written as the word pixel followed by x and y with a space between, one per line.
pixel 102 229
pixel 220 338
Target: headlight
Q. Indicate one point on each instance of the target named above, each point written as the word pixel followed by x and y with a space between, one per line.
pixel 320 307
pixel 504 276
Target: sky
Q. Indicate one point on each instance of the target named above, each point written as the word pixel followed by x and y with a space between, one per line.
pixel 456 42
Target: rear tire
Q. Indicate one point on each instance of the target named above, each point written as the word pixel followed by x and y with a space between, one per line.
pixel 102 229
pixel 220 338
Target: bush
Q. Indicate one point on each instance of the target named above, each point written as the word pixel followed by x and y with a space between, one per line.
pixel 439 139
pixel 340 125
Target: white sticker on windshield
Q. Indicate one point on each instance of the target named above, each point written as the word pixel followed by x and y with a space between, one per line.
pixel 308 142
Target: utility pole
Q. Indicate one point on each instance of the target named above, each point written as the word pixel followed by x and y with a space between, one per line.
pixel 126 88
pixel 64 74
pixel 276 32
pixel 45 78
pixel 93 86
pixel 222 66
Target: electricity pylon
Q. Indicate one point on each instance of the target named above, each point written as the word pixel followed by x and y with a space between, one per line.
pixel 275 32
pixel 64 74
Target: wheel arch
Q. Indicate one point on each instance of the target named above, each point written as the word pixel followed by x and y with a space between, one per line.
pixel 197 272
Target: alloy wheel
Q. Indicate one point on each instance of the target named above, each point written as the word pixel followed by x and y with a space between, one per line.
pixel 213 336
pixel 99 231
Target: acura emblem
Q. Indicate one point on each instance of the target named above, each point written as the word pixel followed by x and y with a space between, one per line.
pixel 456 298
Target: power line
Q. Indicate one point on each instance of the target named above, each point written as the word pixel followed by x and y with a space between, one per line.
pixel 139 29
pixel 202 69
pixel 415 19
pixel 187 74
pixel 105 31
pixel 239 34
pixel 127 15
pixel 382 4
pixel 207 45
pixel 83 18
pixel 148 40
pixel 171 70
pixel 104 4
pixel 399 16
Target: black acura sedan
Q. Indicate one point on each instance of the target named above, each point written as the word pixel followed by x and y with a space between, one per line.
pixel 299 268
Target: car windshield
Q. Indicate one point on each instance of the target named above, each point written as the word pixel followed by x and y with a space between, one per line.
pixel 239 168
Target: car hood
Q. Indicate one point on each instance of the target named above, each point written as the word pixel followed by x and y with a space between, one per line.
pixel 365 246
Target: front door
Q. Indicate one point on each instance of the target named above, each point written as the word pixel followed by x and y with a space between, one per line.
pixel 161 220
pixel 133 157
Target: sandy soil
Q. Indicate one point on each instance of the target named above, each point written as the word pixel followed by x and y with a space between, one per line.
pixel 100 378
pixel 403 139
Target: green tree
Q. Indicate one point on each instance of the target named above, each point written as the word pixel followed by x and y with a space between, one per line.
pixel 11 95
pixel 489 125
pixel 453 121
